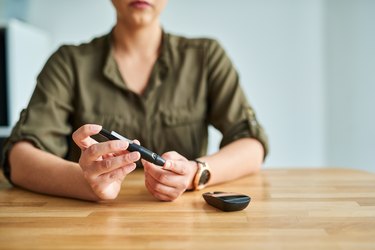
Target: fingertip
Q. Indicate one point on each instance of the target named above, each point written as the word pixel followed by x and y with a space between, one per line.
pixel 121 144
pixel 147 165
pixel 144 163
pixel 136 142
pixel 95 128
pixel 167 165
pixel 132 167
pixel 81 136
pixel 136 156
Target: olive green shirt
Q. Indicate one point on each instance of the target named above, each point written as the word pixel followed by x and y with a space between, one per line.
pixel 193 84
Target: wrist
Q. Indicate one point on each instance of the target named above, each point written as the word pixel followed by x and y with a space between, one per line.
pixel 201 177
pixel 194 171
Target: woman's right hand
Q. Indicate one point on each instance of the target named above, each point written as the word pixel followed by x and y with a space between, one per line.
pixel 105 164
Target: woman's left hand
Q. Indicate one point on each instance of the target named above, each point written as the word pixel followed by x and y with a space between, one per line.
pixel 167 183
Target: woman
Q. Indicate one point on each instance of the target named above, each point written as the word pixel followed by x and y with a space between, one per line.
pixel 161 89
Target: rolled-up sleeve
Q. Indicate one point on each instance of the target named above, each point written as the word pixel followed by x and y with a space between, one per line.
pixel 45 120
pixel 229 110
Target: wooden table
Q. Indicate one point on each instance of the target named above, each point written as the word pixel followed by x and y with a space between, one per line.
pixel 327 208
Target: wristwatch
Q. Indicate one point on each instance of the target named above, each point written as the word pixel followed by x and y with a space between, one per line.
pixel 202 176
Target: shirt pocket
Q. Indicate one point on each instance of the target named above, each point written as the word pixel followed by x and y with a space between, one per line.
pixel 184 131
pixel 181 117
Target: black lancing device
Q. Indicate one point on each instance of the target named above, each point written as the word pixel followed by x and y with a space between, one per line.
pixel 146 154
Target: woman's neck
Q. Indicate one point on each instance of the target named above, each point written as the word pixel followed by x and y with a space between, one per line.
pixel 141 41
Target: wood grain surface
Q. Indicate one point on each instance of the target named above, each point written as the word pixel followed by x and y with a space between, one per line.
pixel 327 208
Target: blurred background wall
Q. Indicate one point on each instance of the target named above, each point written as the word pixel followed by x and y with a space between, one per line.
pixel 307 66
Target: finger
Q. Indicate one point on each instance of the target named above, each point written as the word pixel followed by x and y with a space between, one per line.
pixel 156 171
pixel 108 156
pixel 156 194
pixel 136 142
pixel 107 186
pixel 126 151
pixel 178 167
pixel 109 165
pixel 173 155
pixel 158 186
pixel 164 177
pixel 82 135
pixel 97 150
pixel 118 174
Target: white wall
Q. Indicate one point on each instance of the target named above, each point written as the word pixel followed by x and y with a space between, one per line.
pixel 350 64
pixel 279 48
pixel 71 21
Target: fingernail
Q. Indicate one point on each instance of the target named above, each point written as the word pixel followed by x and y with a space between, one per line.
pixel 134 156
pixel 122 144
pixel 167 165
pixel 95 128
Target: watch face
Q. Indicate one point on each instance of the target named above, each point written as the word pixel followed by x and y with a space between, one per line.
pixel 205 177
